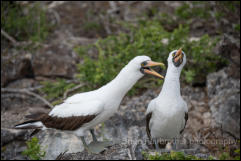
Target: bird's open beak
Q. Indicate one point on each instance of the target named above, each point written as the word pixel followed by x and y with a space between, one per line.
pixel 146 68
pixel 178 55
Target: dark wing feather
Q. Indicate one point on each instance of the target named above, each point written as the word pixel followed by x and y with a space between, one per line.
pixel 66 123
pixel 186 118
pixel 148 118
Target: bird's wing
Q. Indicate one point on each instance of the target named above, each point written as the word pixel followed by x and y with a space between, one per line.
pixel 185 117
pixel 148 118
pixel 91 107
pixel 151 106
pixel 68 116
pixel 149 111
pixel 81 97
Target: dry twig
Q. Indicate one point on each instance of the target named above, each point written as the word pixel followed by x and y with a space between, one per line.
pixel 25 91
pixel 72 89
pixel 10 38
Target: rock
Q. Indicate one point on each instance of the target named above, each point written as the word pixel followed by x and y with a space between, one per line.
pixel 116 152
pixel 55 142
pixel 13 111
pixel 13 143
pixel 229 48
pixel 8 135
pixel 23 83
pixel 165 41
pixel 127 127
pixel 194 39
pixel 54 61
pixel 13 151
pixel 16 66
pixel 224 101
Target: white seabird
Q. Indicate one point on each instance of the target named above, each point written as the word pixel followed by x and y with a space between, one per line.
pixel 167 114
pixel 83 111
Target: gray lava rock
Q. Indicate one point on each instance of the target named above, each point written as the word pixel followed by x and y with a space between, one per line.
pixel 224 95
pixel 23 83
pixel 229 48
pixel 8 135
pixel 13 143
pixel 15 67
pixel 55 142
pixel 116 152
pixel 61 62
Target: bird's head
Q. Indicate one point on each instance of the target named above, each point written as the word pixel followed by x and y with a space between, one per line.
pixel 143 64
pixel 177 59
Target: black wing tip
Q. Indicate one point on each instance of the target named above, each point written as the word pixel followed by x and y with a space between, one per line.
pixel 26 122
pixel 186 118
pixel 148 117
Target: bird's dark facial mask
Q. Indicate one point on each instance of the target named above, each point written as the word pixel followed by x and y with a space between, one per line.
pixel 177 57
pixel 146 68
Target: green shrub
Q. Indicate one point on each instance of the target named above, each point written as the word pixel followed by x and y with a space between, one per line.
pixel 34 151
pixel 185 11
pixel 171 156
pixel 237 153
pixel 54 90
pixel 24 22
pixel 226 155
pixel 114 52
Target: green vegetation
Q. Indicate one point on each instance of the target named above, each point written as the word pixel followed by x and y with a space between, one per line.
pixel 226 155
pixel 54 90
pixel 181 156
pixel 114 52
pixel 237 153
pixel 172 156
pixel 92 25
pixel 146 38
pixel 24 23
pixel 34 151
pixel 187 12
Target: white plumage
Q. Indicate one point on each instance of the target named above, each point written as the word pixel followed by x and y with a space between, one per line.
pixel 94 107
pixel 168 112
pixel 83 111
pixel 103 102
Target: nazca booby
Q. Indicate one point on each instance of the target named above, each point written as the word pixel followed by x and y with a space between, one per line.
pixel 167 114
pixel 83 111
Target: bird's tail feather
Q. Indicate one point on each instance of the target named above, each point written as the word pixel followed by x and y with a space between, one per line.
pixel 32 124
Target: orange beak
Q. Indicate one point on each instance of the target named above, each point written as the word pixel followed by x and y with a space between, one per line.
pixel 179 55
pixel 148 70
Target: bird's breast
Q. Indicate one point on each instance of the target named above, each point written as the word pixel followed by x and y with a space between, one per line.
pixel 166 125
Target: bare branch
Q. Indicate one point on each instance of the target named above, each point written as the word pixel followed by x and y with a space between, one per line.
pixel 25 91
pixel 10 38
pixel 106 24
pixel 55 4
pixel 34 88
pixel 72 89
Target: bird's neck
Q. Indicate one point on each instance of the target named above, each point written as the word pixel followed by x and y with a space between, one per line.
pixel 171 86
pixel 122 83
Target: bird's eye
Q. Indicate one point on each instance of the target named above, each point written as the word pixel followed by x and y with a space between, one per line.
pixel 173 54
pixel 143 63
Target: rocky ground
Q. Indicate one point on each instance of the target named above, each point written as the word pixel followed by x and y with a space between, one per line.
pixel 214 109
